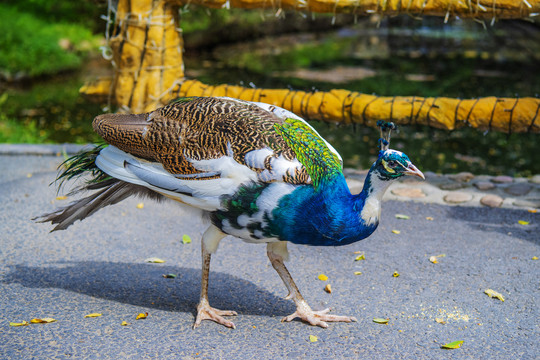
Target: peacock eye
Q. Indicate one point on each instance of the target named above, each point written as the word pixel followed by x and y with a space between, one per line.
pixel 392 163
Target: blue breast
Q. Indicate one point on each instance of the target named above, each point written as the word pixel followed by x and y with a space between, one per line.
pixel 329 216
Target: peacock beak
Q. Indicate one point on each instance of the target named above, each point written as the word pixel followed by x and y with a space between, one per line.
pixel 413 170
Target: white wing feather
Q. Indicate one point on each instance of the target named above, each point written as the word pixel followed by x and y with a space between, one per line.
pixel 204 194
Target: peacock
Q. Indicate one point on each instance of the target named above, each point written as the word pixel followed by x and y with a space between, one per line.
pixel 257 171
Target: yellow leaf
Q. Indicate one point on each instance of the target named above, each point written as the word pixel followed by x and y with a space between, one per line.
pixel 61 197
pixel 140 205
pixel 434 258
pixel 141 316
pixel 24 323
pixel 42 321
pixel 29 175
pixel 494 294
pixel 313 338
pixel 402 217
pixel 357 273
pixel 395 274
pixel 440 321
pixel 186 239
pixel 452 345
pixel 124 323
pixel 93 315
pixel 429 218
pixel 380 320
pixel 323 277
pixel 535 257
pixel 154 260
pixel 328 288
pixel 396 231
pixel 523 222
pixel 533 211
pixel 360 257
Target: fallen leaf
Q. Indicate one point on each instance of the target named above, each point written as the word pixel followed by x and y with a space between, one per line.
pixel 396 231
pixel 154 260
pixel 186 239
pixel 380 320
pixel 429 218
pixel 357 273
pixel 63 197
pixel 323 277
pixel 313 338
pixel 29 175
pixel 535 257
pixel 42 321
pixel 440 321
pixel 434 258
pixel 358 252
pixel 402 217
pixel 452 345
pixel 494 294
pixel 360 257
pixel 141 316
pixel 93 315
pixel 24 323
pixel 532 211
pixel 140 205
pixel 395 274
pixel 169 276
pixel 124 323
pixel 523 222
pixel 328 288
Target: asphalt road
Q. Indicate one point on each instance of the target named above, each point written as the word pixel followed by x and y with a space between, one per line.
pixel 98 265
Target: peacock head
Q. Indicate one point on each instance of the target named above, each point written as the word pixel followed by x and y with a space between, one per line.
pixel 393 164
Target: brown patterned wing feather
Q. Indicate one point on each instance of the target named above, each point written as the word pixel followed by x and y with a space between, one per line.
pixel 198 129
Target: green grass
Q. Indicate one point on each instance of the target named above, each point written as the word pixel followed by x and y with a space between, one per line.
pixel 31 46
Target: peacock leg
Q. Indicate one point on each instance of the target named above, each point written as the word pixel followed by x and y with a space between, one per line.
pixel 210 240
pixel 277 252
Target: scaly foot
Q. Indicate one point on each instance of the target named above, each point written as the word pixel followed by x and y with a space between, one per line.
pixel 206 312
pixel 317 318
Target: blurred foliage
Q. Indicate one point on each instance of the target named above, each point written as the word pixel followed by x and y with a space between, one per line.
pixel 49 111
pixel 83 12
pixel 32 46
pixel 12 131
pixel 197 19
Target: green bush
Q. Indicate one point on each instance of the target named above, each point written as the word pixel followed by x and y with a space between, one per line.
pixel 32 47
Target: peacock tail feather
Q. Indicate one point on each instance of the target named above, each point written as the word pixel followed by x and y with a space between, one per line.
pixel 82 164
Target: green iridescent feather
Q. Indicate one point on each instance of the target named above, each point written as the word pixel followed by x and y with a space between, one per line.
pixel 80 164
pixel 321 163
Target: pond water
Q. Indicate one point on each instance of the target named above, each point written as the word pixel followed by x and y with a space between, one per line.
pixel 426 58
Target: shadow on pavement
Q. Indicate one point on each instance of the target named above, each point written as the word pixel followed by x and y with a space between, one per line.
pixel 499 220
pixel 144 285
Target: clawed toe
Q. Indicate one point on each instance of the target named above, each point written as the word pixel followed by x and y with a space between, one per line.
pixel 318 318
pixel 206 312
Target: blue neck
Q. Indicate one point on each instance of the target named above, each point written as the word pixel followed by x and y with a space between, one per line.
pixel 330 216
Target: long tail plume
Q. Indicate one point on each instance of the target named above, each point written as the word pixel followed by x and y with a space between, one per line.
pixel 82 163
pixel 109 190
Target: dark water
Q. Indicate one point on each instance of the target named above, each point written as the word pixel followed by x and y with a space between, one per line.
pixel 396 59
